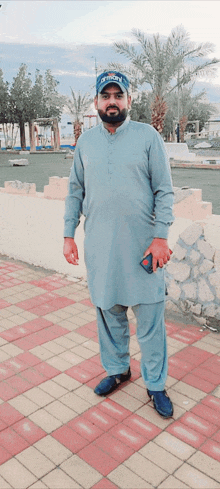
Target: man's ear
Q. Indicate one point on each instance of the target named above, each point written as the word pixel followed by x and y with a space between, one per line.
pixel 96 102
pixel 129 101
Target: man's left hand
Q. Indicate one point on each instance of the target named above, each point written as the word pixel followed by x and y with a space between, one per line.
pixel 160 252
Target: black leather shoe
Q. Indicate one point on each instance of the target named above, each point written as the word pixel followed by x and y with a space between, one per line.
pixel 109 384
pixel 162 403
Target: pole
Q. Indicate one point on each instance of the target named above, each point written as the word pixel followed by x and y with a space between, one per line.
pixel 178 110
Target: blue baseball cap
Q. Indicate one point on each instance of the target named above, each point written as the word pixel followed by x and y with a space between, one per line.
pixel 112 77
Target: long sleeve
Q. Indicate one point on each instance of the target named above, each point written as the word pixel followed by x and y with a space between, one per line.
pixel 161 184
pixel 74 199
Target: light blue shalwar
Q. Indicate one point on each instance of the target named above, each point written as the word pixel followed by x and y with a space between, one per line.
pixel 122 184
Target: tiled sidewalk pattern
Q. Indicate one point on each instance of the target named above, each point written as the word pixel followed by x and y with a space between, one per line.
pixel 56 433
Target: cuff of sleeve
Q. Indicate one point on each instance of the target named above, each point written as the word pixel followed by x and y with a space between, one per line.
pixel 69 230
pixel 161 231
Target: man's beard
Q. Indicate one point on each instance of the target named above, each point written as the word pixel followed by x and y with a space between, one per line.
pixel 113 119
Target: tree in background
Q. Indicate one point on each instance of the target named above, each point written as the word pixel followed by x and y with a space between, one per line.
pixel 141 108
pixel 20 99
pixel 191 107
pixel 28 102
pixel 165 65
pixel 77 106
pixel 5 112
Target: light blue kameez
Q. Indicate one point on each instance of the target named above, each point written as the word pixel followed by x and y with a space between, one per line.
pixel 121 182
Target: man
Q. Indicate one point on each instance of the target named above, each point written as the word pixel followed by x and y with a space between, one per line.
pixel 120 180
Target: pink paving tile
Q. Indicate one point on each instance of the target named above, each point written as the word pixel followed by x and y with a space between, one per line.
pixel 15 364
pixel 78 373
pixel 114 410
pixel 199 383
pixel 205 374
pixel 33 376
pixel 85 428
pixel 95 380
pixel 29 431
pixel 171 328
pixel 178 363
pixel 4 304
pixel 113 447
pixel 96 359
pixel 5 371
pixel 175 372
pixel 9 415
pixel 212 402
pixel 213 364
pixel 15 333
pixel 142 426
pixel 19 384
pixel 186 336
pixel 198 424
pixel 46 370
pixel 186 434
pixel 99 418
pixel 212 449
pixel 43 309
pixel 92 368
pixel 85 331
pixel 193 355
pixel 24 343
pixel 98 459
pixel 4 455
pixel 128 436
pixel 205 412
pixel 70 439
pixel 92 325
pixel 132 329
pixel 2 425
pixel 216 436
pixel 12 442
pixel 28 358
pixel 87 302
pixel 37 324
pixel 7 392
pixel 104 484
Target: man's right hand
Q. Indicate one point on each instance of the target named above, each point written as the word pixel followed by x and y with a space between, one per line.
pixel 70 251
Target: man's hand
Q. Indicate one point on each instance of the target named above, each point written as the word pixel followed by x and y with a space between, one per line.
pixel 70 251
pixel 160 252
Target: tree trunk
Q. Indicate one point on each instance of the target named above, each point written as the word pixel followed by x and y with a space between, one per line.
pixel 22 135
pixel 158 112
pixel 31 134
pixel 183 124
pixel 77 127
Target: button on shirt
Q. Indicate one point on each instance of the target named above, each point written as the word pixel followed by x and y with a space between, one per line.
pixel 121 182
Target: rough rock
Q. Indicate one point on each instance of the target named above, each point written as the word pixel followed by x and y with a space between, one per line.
pixel 214 278
pixel 191 234
pixel 179 252
pixel 170 306
pixel 174 290
pixel 206 266
pixel 194 256
pixel 190 290
pixel 179 271
pixel 206 249
pixel 204 293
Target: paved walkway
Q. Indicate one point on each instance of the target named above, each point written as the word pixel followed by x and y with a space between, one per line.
pixel 56 433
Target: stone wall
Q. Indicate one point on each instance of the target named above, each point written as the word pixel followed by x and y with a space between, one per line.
pixel 193 277
pixel 32 229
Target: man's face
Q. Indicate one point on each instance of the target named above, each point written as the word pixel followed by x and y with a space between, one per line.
pixel 112 104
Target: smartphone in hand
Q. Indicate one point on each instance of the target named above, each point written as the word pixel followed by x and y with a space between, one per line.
pixel 147 262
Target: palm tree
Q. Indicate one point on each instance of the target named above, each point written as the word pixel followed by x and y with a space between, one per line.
pixel 165 64
pixel 77 106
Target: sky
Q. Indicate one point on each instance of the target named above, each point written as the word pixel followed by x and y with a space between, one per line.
pixel 73 24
